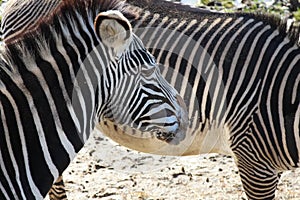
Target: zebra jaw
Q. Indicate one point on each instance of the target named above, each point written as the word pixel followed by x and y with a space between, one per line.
pixel 146 142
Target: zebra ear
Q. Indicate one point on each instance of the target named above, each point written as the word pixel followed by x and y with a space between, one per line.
pixel 113 29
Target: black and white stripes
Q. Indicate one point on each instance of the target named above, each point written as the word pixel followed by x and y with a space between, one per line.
pixel 61 78
pixel 239 75
pixel 24 16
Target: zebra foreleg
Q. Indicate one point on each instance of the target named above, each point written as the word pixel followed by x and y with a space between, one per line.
pixel 259 179
pixel 58 192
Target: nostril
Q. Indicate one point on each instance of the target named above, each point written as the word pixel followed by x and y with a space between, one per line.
pixel 167 137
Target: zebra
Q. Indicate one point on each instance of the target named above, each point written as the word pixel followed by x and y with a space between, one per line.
pixel 65 74
pixel 239 78
pixel 239 74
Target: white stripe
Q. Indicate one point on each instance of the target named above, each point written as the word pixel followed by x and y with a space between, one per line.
pixel 83 71
pixel 3 169
pixel 175 44
pixel 76 89
pixel 162 32
pixel 220 85
pixel 2 189
pixel 28 19
pixel 195 45
pixel 150 24
pixel 194 54
pixel 164 45
pixel 121 100
pixel 280 108
pixel 179 49
pixel 140 21
pixel 239 114
pixel 154 33
pixel 257 67
pixel 84 75
pixel 296 131
pixel 32 185
pixel 246 64
pixel 269 100
pixel 243 74
pixel 296 86
pixel 43 83
pixel 199 75
pixel 39 127
pixel 66 97
pixel 92 85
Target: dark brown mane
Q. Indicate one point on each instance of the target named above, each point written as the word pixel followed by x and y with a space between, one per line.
pixel 170 9
pixel 66 9
pixel 96 5
pixel 292 31
pixel 186 12
pixel 99 6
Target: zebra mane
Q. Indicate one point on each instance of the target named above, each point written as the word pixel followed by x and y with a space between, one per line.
pixel 292 31
pixel 186 12
pixel 34 39
pixel 13 23
pixel 170 9
pixel 46 11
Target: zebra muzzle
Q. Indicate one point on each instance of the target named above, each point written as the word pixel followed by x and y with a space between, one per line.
pixel 179 134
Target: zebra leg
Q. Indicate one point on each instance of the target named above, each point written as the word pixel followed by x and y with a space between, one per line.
pixel 58 192
pixel 259 179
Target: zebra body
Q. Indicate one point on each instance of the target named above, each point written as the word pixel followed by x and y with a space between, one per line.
pixel 239 75
pixel 64 75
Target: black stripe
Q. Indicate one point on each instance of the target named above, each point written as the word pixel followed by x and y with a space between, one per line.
pixel 34 150
pixel 16 143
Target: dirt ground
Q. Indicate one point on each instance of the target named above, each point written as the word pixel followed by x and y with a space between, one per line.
pixel 108 171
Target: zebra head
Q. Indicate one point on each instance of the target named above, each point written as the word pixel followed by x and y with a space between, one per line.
pixel 140 99
pixel 133 94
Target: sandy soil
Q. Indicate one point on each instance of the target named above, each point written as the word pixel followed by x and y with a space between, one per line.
pixel 105 170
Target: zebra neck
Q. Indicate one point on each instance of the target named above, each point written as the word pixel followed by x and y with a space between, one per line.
pixel 53 67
